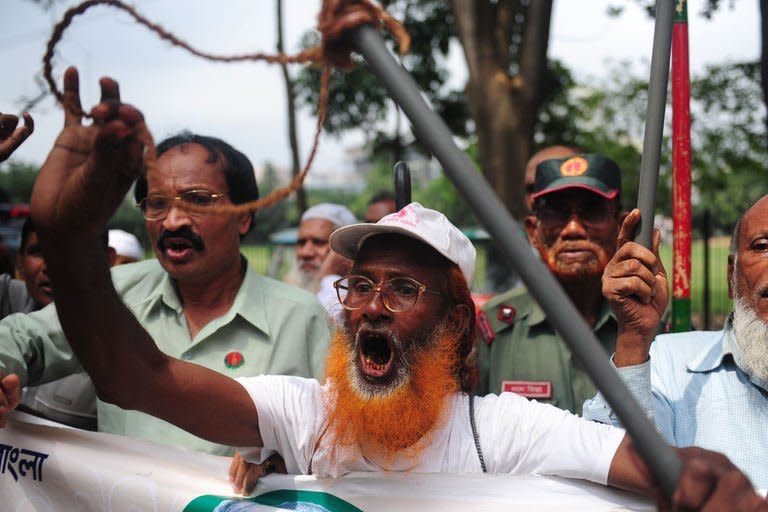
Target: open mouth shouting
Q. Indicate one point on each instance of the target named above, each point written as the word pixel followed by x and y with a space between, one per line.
pixel 45 287
pixel 179 245
pixel 177 248
pixel 376 356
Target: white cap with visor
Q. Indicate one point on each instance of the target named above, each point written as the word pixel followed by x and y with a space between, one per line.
pixel 414 221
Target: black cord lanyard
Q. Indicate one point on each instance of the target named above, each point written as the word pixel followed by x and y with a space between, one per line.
pixel 474 432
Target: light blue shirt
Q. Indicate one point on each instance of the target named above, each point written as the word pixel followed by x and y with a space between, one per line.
pixel 697 395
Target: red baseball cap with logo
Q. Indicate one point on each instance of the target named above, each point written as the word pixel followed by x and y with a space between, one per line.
pixel 593 172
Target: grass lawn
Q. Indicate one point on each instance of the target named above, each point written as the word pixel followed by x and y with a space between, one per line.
pixel 720 304
pixel 258 256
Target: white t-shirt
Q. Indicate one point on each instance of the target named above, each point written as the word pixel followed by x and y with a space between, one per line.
pixel 517 436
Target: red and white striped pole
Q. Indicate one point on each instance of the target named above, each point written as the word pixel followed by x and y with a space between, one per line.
pixel 681 165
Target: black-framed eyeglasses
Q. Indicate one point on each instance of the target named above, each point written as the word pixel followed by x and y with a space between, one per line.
pixel 593 214
pixel 398 294
pixel 155 206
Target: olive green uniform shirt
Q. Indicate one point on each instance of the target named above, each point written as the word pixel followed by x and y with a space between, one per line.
pixel 527 356
pixel 271 328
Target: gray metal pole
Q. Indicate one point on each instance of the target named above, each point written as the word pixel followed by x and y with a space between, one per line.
pixel 434 134
pixel 654 120
pixel 402 185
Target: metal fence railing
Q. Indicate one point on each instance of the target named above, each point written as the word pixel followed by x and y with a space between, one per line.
pixel 710 303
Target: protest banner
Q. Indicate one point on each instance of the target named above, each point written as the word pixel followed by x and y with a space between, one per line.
pixel 51 468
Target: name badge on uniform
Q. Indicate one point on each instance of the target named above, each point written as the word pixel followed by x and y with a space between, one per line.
pixel 528 388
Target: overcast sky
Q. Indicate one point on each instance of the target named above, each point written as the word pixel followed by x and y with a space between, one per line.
pixel 244 103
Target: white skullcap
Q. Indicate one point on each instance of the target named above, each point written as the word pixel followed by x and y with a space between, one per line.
pixel 336 214
pixel 125 244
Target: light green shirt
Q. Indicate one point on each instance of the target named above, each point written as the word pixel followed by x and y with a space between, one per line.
pixel 525 355
pixel 273 327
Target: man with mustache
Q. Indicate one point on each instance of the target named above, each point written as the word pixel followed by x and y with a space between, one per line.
pixel 200 299
pixel 33 291
pixel 573 225
pixel 708 388
pixel 70 400
pixel 400 360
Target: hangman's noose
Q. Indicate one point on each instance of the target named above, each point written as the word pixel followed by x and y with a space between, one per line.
pixel 336 17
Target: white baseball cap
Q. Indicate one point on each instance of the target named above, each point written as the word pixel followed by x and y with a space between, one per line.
pixel 336 214
pixel 125 244
pixel 414 221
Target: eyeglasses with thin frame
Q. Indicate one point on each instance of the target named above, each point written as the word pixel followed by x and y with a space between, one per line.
pixel 592 214
pixel 155 206
pixel 398 294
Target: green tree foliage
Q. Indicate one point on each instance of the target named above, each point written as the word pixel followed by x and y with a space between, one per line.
pixel 555 124
pixel 607 117
pixel 707 8
pixel 379 177
pixel 357 100
pixel 439 193
pixel 442 195
pixel 727 135
pixel 128 218
pixel 17 179
pixel 268 220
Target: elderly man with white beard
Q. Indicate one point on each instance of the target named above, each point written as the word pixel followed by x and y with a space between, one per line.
pixel 702 388
pixel 312 249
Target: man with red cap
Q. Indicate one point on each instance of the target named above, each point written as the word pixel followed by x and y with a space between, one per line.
pixel 574 223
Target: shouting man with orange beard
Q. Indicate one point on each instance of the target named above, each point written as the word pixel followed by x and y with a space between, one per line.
pixel 393 397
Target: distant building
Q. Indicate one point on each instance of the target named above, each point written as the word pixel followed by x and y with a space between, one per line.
pixel 423 169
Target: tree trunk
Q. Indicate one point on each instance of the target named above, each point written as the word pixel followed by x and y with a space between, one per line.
pixel 503 107
pixel 301 196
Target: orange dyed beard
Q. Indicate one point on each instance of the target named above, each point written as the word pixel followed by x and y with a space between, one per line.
pixel 393 422
pixel 580 269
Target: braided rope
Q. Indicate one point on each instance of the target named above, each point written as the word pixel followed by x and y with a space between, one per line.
pixel 335 18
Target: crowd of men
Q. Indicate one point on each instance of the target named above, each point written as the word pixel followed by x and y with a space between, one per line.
pixel 205 353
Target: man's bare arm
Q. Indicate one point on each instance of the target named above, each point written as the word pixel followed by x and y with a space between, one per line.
pixel 87 174
pixel 709 481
